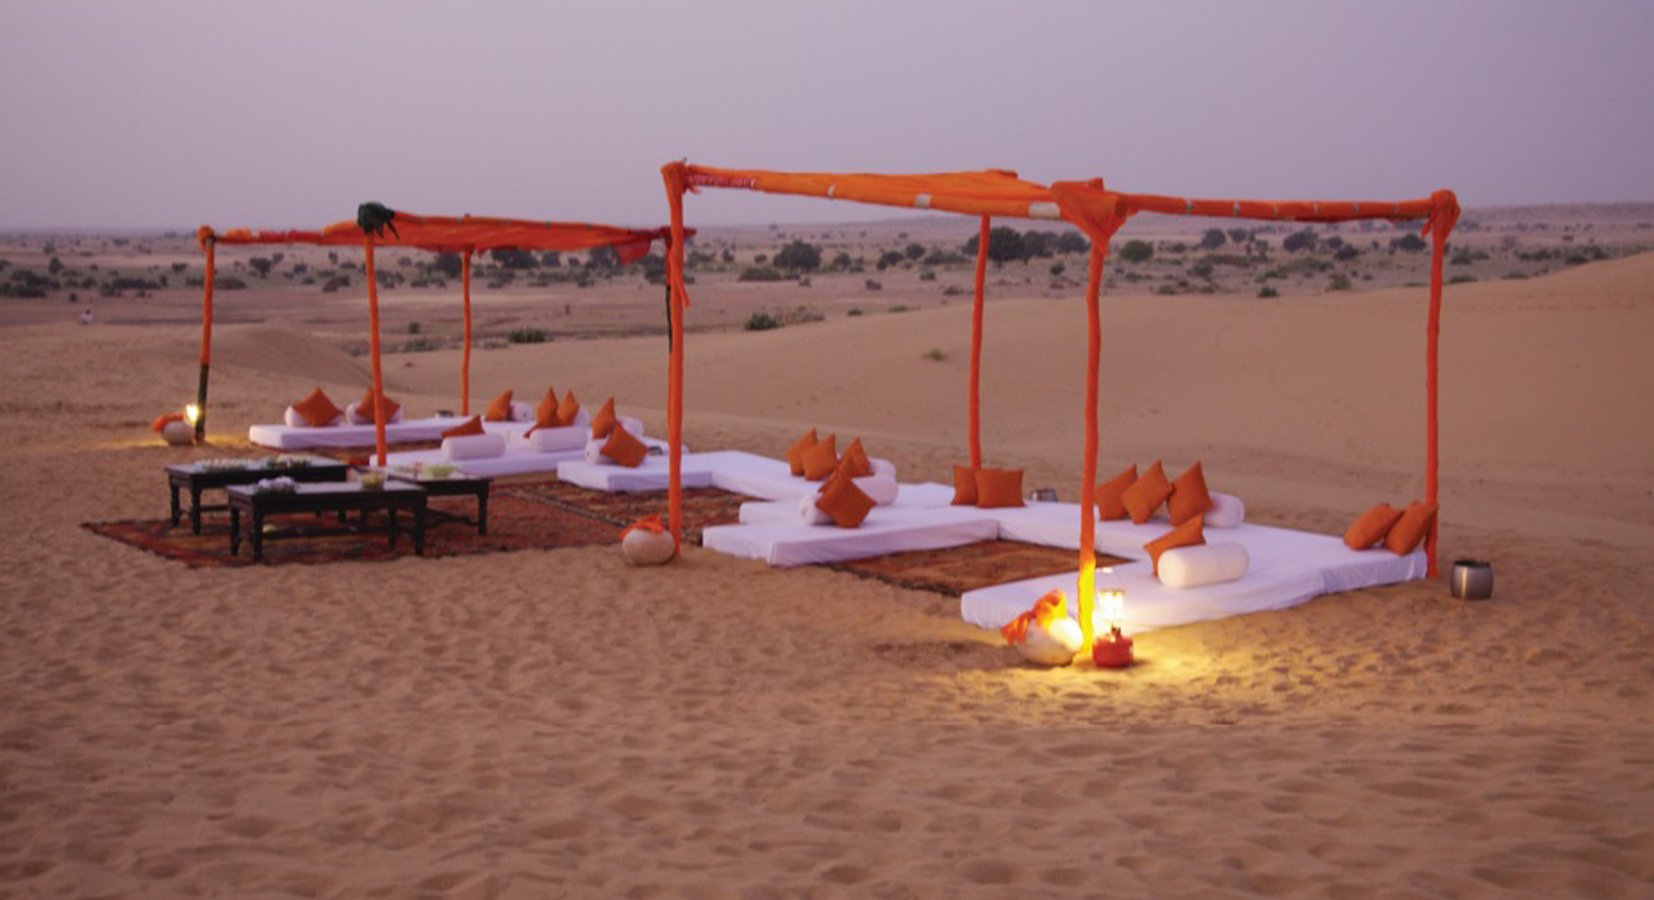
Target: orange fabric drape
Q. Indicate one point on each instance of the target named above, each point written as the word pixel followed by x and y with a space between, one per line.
pixel 990 192
pixel 1444 214
pixel 373 347
pixel 465 360
pixel 974 401
pixel 672 174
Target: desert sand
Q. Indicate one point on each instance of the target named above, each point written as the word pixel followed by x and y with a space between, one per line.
pixel 557 724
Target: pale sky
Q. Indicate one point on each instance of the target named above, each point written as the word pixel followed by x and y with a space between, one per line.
pixel 173 113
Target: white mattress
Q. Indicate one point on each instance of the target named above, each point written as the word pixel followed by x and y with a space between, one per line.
pixel 887 529
pixel 926 495
pixel 515 461
pixel 1287 568
pixel 765 478
pixel 284 437
pixel 651 475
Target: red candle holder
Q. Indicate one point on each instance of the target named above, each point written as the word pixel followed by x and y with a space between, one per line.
pixel 1112 651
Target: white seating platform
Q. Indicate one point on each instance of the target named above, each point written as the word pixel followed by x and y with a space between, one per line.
pixel 285 437
pixel 653 473
pixel 887 529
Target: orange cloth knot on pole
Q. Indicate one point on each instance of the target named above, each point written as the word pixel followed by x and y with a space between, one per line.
pixel 1046 609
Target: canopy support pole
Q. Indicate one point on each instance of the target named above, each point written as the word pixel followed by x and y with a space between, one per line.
pixel 1444 214
pixel 373 345
pixel 672 174
pixel 465 359
pixel 210 245
pixel 1087 599
pixel 974 400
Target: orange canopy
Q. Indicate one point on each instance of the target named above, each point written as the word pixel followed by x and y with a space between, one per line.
pixel 1097 211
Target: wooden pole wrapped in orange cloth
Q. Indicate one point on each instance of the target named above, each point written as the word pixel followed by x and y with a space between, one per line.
pixel 373 346
pixel 209 245
pixel 1444 214
pixel 672 175
pixel 975 399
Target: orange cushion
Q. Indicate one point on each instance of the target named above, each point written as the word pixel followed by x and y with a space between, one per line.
pixel 1146 494
pixel 1371 527
pixel 844 503
pixel 545 415
pixel 364 407
pixel 568 409
pixel 317 409
pixel 1109 504
pixel 623 448
pixel 1411 528
pixel 472 425
pixel 604 421
pixel 1186 535
pixel 964 486
pixel 795 453
pixel 860 465
pixel 997 488
pixel 1189 497
pixel 821 459
pixel 499 410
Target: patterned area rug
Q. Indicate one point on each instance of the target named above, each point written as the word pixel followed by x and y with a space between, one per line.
pixel 702 507
pixel 513 524
pixel 955 570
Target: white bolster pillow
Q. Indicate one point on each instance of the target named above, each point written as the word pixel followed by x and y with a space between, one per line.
pixel 594 453
pixel 1203 564
pixel 808 511
pixel 633 426
pixel 293 420
pixel 473 446
pixel 1227 511
pixel 883 467
pixel 556 440
pixel 881 488
pixel 521 412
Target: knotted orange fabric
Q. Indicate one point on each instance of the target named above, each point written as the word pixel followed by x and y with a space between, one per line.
pixel 1046 609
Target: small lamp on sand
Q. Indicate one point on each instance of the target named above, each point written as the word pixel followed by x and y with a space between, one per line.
pixel 178 429
pixel 1111 650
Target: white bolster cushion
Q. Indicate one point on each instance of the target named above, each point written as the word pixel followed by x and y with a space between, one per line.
pixel 293 420
pixel 881 488
pixel 808 512
pixel 583 417
pixel 555 440
pixel 883 467
pixel 355 417
pixel 633 426
pixel 521 412
pixel 594 453
pixel 473 446
pixel 1227 511
pixel 1203 564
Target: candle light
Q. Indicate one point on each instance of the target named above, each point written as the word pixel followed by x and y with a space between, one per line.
pixel 1113 649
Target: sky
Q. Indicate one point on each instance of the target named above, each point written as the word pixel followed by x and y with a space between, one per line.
pixel 175 113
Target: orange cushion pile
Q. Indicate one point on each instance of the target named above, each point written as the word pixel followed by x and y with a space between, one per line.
pixel 317 409
pixel 364 407
pixel 623 448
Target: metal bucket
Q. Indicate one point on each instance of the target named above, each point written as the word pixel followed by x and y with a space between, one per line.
pixel 1472 579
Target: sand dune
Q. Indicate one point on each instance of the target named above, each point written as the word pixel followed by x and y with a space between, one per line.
pixel 556 724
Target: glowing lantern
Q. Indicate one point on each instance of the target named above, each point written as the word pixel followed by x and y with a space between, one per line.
pixel 1112 650
pixel 1045 635
pixel 192 413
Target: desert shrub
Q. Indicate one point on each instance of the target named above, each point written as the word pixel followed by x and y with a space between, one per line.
pixel 945 258
pixel 229 284
pixel 890 258
pixel 935 354
pixel 1409 242
pixel 872 285
pixel 900 308
pixel 927 275
pixel 413 327
pixel 1339 282
pixel 760 273
pixel 1346 253
pixel 528 336
pixel 799 256
pixel 1239 235
pixel 914 251
pixel 1057 268
pixel 952 290
pixel 1003 244
pixel 1267 291
pixel 1136 251
pixel 1212 239
pixel 842 261
pixel 1461 278
pixel 1201 270
pixel 761 321
pixel 1071 242
pixel 551 259
pixel 854 311
pixel 1299 240
pixel 511 258
pixel 261 265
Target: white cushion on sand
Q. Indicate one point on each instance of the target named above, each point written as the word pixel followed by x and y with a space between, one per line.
pixel 887 529
pixel 300 437
pixel 473 446
pixel 558 440
pixel 1202 564
pixel 808 512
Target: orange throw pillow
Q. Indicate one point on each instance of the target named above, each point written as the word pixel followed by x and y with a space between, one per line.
pixel 1411 528
pixel 604 421
pixel 364 408
pixel 998 488
pixel 844 503
pixel 821 459
pixel 1110 506
pixel 1371 527
pixel 545 415
pixel 499 410
pixel 1188 534
pixel 317 409
pixel 860 465
pixel 472 425
pixel 568 409
pixel 964 486
pixel 623 448
pixel 1146 494
pixel 795 453
pixel 1189 497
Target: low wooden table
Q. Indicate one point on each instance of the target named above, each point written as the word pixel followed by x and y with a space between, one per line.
pixel 196 478
pixel 343 497
pixel 453 486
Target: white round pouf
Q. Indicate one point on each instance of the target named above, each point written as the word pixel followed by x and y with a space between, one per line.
pixel 1054 644
pixel 646 548
pixel 178 433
